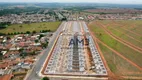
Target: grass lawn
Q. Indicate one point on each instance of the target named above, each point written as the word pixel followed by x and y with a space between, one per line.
pixel 31 27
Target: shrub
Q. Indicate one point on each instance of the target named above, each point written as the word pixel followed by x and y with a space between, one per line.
pixel 28 32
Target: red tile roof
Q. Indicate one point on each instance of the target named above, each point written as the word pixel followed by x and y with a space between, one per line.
pixel 4 65
pixel 6 77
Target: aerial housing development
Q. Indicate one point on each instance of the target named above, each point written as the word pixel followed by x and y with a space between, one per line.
pixel 74 53
pixel 70 41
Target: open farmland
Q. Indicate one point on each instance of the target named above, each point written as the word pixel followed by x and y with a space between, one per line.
pixel 121 45
pixel 129 31
pixel 31 27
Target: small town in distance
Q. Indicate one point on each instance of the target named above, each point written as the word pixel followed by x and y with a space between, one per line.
pixel 70 41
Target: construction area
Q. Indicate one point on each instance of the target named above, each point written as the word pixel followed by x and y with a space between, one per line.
pixel 74 53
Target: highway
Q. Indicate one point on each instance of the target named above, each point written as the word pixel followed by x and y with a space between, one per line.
pixel 32 75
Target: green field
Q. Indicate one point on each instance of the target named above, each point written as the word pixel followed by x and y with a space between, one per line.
pixel 31 27
pixel 126 26
pixel 117 64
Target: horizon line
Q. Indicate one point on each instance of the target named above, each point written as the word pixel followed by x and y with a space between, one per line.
pixel 79 2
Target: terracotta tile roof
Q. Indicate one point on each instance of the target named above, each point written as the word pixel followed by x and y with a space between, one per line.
pixel 3 65
pixel 7 63
pixel 37 48
pixel 29 61
pixel 10 52
pixel 6 77
pixel 1 47
pixel 8 46
pixel 14 52
pixel 18 59
pixel 23 44
pixel 6 55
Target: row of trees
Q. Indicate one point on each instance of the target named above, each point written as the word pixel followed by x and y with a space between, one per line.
pixel 15 33
pixel 1 34
pixel 18 11
pixel 27 32
pixel 4 24
pixel 43 31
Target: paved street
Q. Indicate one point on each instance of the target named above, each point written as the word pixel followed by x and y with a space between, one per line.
pixel 33 73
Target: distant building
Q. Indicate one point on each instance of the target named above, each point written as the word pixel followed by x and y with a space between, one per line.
pixel 26 66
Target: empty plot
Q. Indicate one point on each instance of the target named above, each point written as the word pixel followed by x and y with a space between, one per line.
pixel 31 27
pixel 117 65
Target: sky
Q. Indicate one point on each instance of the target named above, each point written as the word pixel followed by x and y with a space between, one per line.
pixel 95 1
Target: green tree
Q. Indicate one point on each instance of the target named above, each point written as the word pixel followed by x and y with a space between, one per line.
pixel 15 33
pixel 9 34
pixel 20 26
pixel 34 32
pixel 21 50
pixel 41 35
pixel 33 53
pixel 28 32
pixel 1 55
pixel 21 32
pixel 23 54
pixel 36 41
pixel 18 32
pixel 44 45
pixel 45 78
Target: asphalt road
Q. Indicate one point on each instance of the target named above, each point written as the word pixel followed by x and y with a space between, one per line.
pixel 32 75
pixel 75 27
